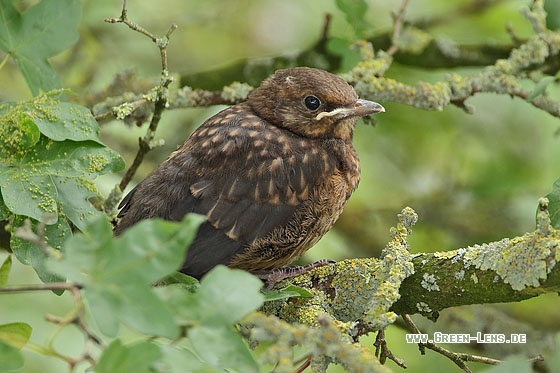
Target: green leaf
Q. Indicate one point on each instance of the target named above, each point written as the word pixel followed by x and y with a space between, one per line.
pixel 79 261
pixel 187 282
pixel 117 273
pixel 56 120
pixel 10 357
pixel 62 120
pixel 29 254
pixel 5 270
pixel 229 294
pixel 50 171
pixel 224 297
pixel 43 31
pixel 29 131
pixel 52 174
pixel 552 9
pixel 105 306
pixel 222 347
pixel 341 47
pixel 355 11
pixel 177 358
pixel 291 291
pixel 151 249
pixel 15 334
pixel 134 304
pixel 27 193
pixel 137 358
pixel 554 204
pixel 540 87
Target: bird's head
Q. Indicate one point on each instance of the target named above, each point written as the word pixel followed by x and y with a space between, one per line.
pixel 311 103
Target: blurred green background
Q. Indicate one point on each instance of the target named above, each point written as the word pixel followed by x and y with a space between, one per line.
pixel 472 178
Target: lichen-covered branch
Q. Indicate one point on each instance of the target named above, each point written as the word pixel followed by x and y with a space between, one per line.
pixel 506 68
pixel 324 343
pixel 141 108
pixel 365 295
pixel 504 271
pixel 354 297
pixel 504 76
pixel 357 293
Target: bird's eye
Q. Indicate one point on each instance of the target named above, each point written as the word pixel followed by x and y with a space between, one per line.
pixel 311 102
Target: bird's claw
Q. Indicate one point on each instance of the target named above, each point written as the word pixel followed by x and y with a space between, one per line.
pixel 274 276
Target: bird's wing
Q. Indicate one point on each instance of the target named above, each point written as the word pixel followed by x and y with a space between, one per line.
pixel 248 177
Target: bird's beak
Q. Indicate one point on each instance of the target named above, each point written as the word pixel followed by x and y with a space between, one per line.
pixel 360 109
pixel 365 107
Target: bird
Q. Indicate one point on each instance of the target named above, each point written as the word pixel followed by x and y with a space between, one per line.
pixel 271 175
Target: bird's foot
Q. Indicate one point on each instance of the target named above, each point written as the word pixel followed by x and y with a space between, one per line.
pixel 274 276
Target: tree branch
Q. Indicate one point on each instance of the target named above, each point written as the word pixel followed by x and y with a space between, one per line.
pixel 365 295
pixel 365 292
pixel 508 69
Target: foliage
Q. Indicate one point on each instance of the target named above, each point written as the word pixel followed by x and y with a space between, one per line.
pixel 135 311
pixel 13 337
pixel 43 31
pixel 50 153
pixel 116 274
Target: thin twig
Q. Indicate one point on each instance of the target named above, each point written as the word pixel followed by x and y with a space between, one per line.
pixel 91 339
pixel 161 95
pixel 456 358
pixel 398 20
pixel 75 317
pixel 73 288
pixel 414 329
pixel 124 19
pixel 326 27
pixel 305 362
pixel 382 351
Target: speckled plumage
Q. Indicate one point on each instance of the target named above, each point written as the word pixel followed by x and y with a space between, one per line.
pixel 272 175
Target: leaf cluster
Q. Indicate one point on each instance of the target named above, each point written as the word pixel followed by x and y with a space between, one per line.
pixel 43 31
pixel 50 154
pixel 113 280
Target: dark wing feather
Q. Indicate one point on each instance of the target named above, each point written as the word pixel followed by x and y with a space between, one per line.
pixel 244 174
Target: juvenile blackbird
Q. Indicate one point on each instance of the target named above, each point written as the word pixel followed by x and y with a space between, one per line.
pixel 271 174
